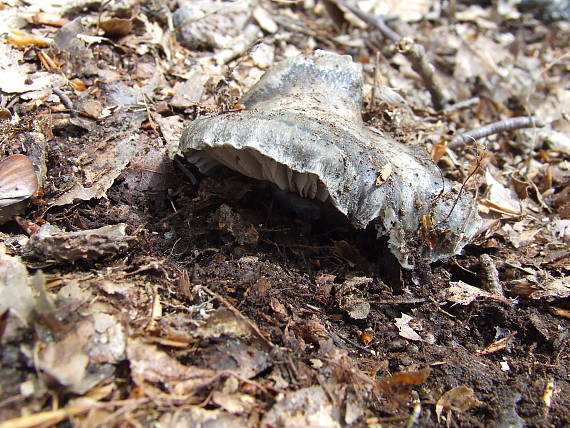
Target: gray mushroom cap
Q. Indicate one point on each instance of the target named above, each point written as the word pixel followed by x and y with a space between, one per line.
pixel 302 130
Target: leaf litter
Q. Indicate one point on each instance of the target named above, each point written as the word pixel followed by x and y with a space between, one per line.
pixel 135 290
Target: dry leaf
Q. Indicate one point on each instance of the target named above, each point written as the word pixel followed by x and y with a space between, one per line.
pixel 161 376
pixel 383 174
pixel 562 312
pixel 306 407
pixel 404 379
pixel 107 161
pixel 117 27
pixel 411 10
pixel 460 398
pixel 438 150
pixel 23 38
pixel 265 20
pixel 557 288
pixel 500 199
pixel 404 328
pixel 18 179
pixel 463 294
pixel 49 18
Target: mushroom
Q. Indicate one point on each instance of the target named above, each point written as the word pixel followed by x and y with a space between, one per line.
pixel 302 130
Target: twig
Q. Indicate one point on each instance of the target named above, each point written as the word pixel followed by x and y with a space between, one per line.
pixel 248 37
pixel 237 313
pixel 293 25
pixel 186 171
pixel 65 101
pixel 376 79
pixel 375 21
pixel 475 170
pixel 52 417
pixel 491 274
pixel 416 54
pixel 415 415
pixel 356 345
pixel 470 102
pixel 494 128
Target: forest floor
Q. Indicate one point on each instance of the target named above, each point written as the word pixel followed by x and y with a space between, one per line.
pixel 135 291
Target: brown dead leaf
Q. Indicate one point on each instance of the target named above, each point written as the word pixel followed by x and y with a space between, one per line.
pixel 403 380
pixel 562 312
pixel 397 388
pixel 194 416
pixel 224 322
pixel 16 294
pixel 3 322
pixel 438 150
pixel 349 297
pixel 78 84
pixel 277 306
pixel 5 114
pixel 460 399
pixel 367 336
pixel 81 359
pixel 48 18
pixel 116 27
pixel 236 357
pixel 464 294
pixel 264 19
pixel 18 179
pixel 231 223
pixel 162 377
pixel 408 11
pixel 499 198
pixel 235 403
pixel 189 93
pixel 107 161
pixel 554 289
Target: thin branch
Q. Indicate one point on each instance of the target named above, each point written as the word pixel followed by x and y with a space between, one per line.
pixel 416 54
pixel 475 170
pixel 375 21
pixel 494 128
pixel 356 345
pixel 65 100
pixel 237 313
pixel 470 102
pixel 491 274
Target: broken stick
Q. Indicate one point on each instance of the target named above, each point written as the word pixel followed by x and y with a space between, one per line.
pixel 494 128
pixel 414 52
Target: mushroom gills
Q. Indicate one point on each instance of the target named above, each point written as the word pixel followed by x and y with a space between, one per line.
pixel 253 164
